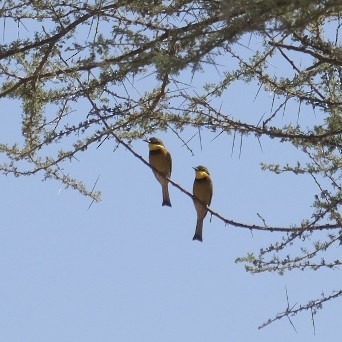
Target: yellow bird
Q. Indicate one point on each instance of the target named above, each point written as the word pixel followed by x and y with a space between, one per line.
pixel 203 191
pixel 160 159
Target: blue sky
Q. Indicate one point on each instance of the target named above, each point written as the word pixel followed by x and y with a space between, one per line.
pixel 127 268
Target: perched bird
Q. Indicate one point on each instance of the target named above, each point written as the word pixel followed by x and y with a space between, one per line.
pixel 160 159
pixel 203 191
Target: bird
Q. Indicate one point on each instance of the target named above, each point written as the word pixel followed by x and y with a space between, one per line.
pixel 203 192
pixel 160 159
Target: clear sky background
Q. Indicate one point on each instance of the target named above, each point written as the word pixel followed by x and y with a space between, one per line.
pixel 127 268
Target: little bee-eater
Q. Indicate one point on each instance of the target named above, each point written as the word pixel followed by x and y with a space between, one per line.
pixel 203 191
pixel 160 159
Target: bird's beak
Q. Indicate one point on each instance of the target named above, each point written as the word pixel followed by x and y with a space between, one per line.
pixel 195 168
pixel 147 141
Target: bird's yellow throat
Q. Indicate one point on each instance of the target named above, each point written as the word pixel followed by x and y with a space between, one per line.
pixel 201 174
pixel 155 147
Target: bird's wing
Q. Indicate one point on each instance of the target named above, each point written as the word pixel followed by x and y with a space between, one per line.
pixel 211 194
pixel 170 160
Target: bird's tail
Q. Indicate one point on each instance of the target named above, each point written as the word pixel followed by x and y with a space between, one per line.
pixel 166 196
pixel 199 230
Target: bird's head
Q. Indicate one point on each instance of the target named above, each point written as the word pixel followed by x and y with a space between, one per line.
pixel 201 172
pixel 155 143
